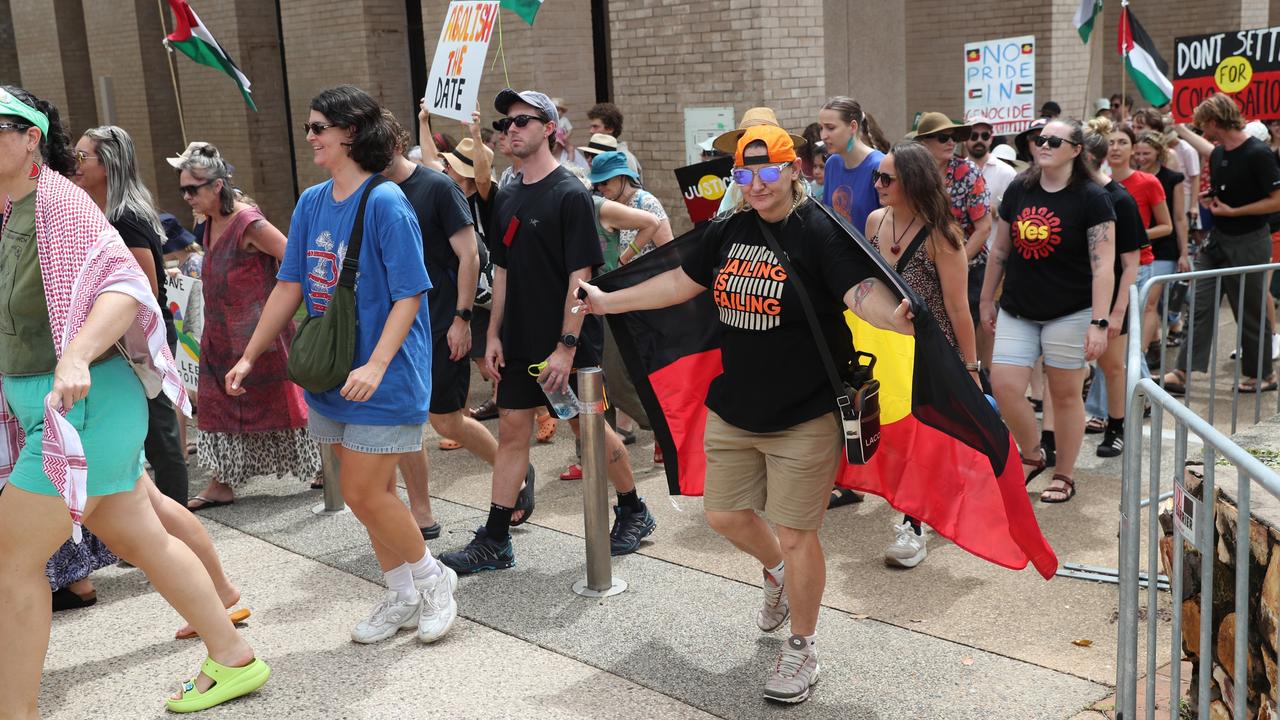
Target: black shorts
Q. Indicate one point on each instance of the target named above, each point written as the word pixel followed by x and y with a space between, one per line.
pixel 450 380
pixel 977 273
pixel 520 391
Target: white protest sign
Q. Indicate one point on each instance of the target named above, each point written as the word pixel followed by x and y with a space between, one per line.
pixel 454 82
pixel 1000 83
pixel 179 291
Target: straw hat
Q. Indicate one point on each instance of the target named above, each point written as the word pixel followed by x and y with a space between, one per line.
pixel 462 158
pixel 727 143
pixel 599 143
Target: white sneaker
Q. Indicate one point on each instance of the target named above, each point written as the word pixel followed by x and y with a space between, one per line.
pixel 908 549
pixel 794 673
pixel 439 608
pixel 776 609
pixel 388 617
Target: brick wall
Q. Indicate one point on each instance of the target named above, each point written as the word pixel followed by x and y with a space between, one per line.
pixel 9 72
pixel 53 57
pixel 877 27
pixel 731 53
pixel 257 144
pixel 332 42
pixel 553 56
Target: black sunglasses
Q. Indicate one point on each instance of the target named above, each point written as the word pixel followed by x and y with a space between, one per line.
pixel 1053 141
pixel 980 136
pixel 502 124
pixel 883 179
pixel 193 189
pixel 944 138
pixel 315 128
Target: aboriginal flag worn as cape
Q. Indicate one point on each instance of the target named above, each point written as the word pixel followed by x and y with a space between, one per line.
pixel 945 456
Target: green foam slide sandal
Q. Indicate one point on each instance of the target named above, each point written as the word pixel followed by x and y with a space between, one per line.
pixel 228 684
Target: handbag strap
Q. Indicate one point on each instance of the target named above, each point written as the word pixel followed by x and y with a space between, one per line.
pixel 843 401
pixel 351 263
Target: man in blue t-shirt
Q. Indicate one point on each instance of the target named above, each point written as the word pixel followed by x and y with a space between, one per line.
pixel 450 249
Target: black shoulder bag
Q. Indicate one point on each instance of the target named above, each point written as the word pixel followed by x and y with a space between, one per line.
pixel 324 349
pixel 857 392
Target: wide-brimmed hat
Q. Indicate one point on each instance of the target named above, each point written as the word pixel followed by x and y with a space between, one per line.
pixel 177 160
pixel 599 143
pixel 177 237
pixel 932 123
pixel 463 157
pixel 779 143
pixel 727 142
pixel 1022 141
pixel 609 165
pixel 1009 156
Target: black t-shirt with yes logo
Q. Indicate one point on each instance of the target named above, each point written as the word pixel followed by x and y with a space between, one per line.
pixel 1049 275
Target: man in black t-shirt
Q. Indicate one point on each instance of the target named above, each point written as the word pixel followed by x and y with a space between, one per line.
pixel 542 242
pixel 450 249
pixel 1244 189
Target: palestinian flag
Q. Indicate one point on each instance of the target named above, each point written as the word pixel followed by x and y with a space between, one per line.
pixel 1085 15
pixel 196 42
pixel 526 9
pixel 1149 71
pixel 945 456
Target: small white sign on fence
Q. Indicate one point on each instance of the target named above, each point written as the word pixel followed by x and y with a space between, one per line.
pixel 1185 509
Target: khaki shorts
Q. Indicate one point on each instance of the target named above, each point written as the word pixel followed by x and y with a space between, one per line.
pixel 786 474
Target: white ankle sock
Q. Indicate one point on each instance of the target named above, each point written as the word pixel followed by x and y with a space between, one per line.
pixel 401 580
pixel 778 572
pixel 424 569
pixel 812 640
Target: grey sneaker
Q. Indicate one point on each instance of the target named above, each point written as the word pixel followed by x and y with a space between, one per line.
pixel 388 618
pixel 776 609
pixel 795 672
pixel 439 608
pixel 908 549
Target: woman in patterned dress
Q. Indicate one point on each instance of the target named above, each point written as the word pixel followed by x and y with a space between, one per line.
pixel 262 432
pixel 916 232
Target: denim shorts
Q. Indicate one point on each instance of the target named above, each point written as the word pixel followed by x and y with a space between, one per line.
pixel 1020 341
pixel 372 439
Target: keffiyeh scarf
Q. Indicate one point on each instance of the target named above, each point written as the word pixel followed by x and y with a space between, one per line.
pixel 81 257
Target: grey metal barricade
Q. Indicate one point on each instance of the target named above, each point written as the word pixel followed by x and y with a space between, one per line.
pixel 599 581
pixel 1217 447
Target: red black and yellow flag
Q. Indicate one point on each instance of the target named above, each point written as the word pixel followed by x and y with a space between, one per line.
pixel 945 456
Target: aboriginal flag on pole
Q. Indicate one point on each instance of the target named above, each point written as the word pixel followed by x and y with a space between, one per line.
pixel 945 456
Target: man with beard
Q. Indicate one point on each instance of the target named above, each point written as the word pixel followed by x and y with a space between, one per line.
pixel 543 241
pixel 997 175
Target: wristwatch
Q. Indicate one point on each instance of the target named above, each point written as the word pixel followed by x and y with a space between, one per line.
pixel 569 340
pixel 464 313
pixel 1101 323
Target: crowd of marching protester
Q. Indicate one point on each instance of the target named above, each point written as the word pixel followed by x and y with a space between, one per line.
pixel 483 250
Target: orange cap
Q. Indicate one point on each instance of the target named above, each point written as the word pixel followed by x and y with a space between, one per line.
pixel 778 141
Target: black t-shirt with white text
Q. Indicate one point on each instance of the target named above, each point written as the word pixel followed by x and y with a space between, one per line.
pixel 1240 177
pixel 136 233
pixel 540 234
pixel 1130 233
pixel 1048 274
pixel 773 375
pixel 442 210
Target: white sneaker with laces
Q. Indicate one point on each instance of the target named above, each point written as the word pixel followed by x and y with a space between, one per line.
pixel 388 617
pixel 776 609
pixel 795 672
pixel 908 549
pixel 439 608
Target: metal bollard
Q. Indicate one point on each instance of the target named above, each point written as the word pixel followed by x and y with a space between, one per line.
pixel 595 490
pixel 333 504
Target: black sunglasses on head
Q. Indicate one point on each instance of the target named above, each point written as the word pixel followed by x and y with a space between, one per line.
pixel 502 124
pixel 1053 141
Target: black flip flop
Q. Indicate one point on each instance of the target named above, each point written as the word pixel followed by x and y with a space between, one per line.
pixel 207 503
pixel 64 599
pixel 525 501
pixel 844 496
pixel 431 532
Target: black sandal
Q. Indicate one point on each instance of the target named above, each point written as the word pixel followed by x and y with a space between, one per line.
pixel 1038 465
pixel 844 496
pixel 525 500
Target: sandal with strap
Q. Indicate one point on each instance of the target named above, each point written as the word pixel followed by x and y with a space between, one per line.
pixel 1037 465
pixel 1061 494
pixel 525 500
pixel 1095 425
pixel 228 684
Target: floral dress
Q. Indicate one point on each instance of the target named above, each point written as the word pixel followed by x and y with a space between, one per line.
pixel 263 431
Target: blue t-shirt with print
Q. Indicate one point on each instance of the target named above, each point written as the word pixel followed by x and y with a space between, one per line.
pixel 850 192
pixel 391 269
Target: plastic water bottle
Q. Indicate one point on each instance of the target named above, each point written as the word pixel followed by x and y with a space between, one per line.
pixel 564 403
